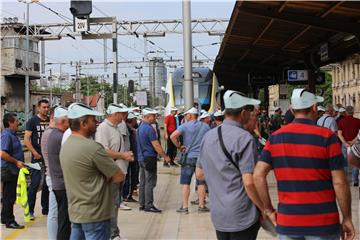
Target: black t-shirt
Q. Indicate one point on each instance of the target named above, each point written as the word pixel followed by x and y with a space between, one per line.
pixel 37 126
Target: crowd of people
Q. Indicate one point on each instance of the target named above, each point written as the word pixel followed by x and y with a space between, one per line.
pixel 90 169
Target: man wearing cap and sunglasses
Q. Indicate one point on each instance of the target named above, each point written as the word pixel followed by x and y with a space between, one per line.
pixel 148 146
pixel 88 174
pixel 309 169
pixel 53 146
pixel 227 160
pixel 109 135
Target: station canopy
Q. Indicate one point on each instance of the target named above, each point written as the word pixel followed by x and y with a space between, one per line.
pixel 266 38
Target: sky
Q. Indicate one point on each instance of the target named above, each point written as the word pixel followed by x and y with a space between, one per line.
pixel 67 49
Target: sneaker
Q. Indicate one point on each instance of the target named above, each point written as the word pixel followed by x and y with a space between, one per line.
pixel 14 225
pixel 32 217
pixel 124 207
pixel 129 199
pixel 183 210
pixel 203 209
pixel 173 164
pixel 195 202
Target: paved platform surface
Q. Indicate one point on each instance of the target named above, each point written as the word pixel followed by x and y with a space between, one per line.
pixel 168 225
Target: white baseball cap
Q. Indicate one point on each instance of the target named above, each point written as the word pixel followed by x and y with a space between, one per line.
pixel 173 109
pixel 77 110
pixel 218 113
pixel 341 110
pixel 148 111
pixel 302 99
pixel 131 115
pixel 60 112
pixel 114 108
pixel 234 99
pixel 320 109
pixel 192 111
pixel 205 115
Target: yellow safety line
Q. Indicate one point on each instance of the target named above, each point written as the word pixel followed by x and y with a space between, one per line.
pixel 17 232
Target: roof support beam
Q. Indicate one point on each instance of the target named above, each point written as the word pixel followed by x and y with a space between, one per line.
pixel 330 25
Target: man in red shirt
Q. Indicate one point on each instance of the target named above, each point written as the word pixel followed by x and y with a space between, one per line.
pixel 309 170
pixel 348 130
pixel 170 127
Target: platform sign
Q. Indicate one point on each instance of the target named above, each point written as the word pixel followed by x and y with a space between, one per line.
pixel 298 75
pixel 324 52
pixel 81 25
pixel 141 98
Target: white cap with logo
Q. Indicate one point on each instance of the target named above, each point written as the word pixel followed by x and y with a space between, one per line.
pixel 77 110
pixel 173 109
pixel 218 113
pixel 192 111
pixel 341 110
pixel 320 109
pixel 148 111
pixel 60 112
pixel 302 99
pixel 234 99
pixel 115 108
pixel 131 115
pixel 204 115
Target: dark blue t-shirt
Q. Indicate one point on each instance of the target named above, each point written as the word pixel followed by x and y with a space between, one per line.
pixel 37 126
pixel 11 144
pixel 145 135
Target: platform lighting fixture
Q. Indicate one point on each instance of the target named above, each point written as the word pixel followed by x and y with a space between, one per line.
pixel 154 34
pixel 215 33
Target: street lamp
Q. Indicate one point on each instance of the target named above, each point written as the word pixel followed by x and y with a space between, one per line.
pixel 27 80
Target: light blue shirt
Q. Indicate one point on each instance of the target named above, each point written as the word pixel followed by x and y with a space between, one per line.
pixel 188 130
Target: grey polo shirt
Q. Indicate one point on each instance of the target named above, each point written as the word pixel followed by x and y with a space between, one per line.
pixel 231 208
pixel 328 122
pixel 109 135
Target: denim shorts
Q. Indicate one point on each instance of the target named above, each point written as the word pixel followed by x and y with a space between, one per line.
pixel 187 171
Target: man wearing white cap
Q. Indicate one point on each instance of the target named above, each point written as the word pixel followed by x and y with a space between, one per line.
pixel 309 169
pixel 148 147
pixel 109 135
pixel 227 160
pixel 205 118
pixel 192 133
pixel 61 123
pixel 169 128
pixel 341 114
pixel 218 118
pixel 88 174
pixel 321 111
pixel 327 120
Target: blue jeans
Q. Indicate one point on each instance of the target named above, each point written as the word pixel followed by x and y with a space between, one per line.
pixel 90 231
pixel 328 237
pixel 36 178
pixel 52 219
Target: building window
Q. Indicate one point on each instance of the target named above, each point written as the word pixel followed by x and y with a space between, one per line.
pixel 18 63
pixel 354 100
pixel 36 67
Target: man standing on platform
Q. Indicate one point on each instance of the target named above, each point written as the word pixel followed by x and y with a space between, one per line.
pixel 148 147
pixel 169 128
pixel 309 169
pixel 32 140
pixel 88 174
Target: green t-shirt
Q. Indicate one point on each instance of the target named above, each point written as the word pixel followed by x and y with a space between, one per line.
pixel 87 169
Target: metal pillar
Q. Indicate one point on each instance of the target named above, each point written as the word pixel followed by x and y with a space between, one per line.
pixel 27 80
pixel 51 95
pixel 115 59
pixel 42 57
pixel 312 81
pixel 188 87
pixel 105 55
pixel 78 83
pixel 266 98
